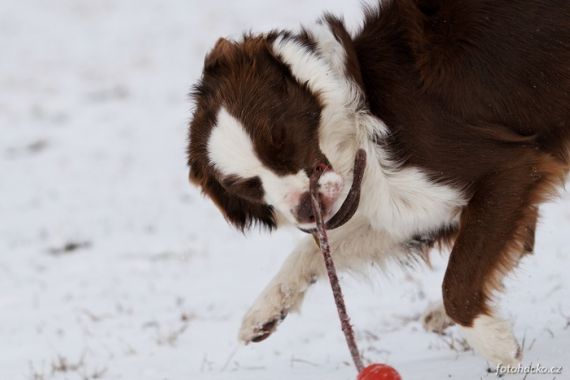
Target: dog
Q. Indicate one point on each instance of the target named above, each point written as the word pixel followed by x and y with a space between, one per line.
pixel 462 108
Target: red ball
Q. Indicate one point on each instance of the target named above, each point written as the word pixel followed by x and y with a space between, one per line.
pixel 379 372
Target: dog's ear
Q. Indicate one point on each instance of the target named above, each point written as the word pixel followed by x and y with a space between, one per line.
pixel 249 189
pixel 221 51
pixel 239 211
pixel 195 175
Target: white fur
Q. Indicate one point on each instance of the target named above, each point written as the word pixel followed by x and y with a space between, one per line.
pixel 401 201
pixel 230 148
pixel 396 202
pixel 353 246
pixel 231 152
pixel 330 185
pixel 493 338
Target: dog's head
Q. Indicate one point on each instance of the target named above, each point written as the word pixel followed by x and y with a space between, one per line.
pixel 270 110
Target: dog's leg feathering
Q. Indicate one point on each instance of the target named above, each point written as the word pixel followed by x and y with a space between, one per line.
pixel 354 245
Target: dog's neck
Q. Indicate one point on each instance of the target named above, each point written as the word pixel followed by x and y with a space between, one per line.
pixel 390 199
pixel 346 123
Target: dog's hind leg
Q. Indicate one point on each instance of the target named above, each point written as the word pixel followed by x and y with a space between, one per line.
pixel 435 319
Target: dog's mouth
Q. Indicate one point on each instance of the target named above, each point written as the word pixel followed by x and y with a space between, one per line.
pixel 350 204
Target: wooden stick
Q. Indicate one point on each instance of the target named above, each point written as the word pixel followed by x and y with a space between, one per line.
pixel 320 236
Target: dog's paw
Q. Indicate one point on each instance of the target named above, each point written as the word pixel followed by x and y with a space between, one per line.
pixel 268 311
pixel 493 339
pixel 254 330
pixel 435 319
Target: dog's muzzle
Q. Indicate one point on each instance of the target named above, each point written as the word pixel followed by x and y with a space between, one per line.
pixel 350 204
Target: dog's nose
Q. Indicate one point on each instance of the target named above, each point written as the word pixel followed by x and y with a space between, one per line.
pixel 304 212
pixel 330 186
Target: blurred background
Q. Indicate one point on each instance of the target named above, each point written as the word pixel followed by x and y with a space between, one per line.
pixel 113 267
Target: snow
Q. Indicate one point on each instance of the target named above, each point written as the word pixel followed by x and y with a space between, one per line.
pixel 113 267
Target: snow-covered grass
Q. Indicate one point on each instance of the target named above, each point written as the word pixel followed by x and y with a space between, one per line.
pixel 113 267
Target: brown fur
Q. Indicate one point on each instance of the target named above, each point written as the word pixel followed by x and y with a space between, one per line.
pixel 271 103
pixel 476 93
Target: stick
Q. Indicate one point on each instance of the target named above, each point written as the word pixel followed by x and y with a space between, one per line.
pixel 321 238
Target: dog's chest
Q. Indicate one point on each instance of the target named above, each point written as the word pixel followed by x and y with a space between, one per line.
pixel 405 202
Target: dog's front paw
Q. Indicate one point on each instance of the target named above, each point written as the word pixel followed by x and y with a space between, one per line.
pixel 435 319
pixel 268 311
pixel 254 330
pixel 493 339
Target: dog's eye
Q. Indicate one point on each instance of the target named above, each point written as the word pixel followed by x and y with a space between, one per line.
pixel 247 188
pixel 313 115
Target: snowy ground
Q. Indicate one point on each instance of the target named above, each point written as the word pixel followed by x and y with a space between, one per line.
pixel 112 267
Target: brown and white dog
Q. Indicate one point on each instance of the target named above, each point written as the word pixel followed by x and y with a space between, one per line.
pixel 463 110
